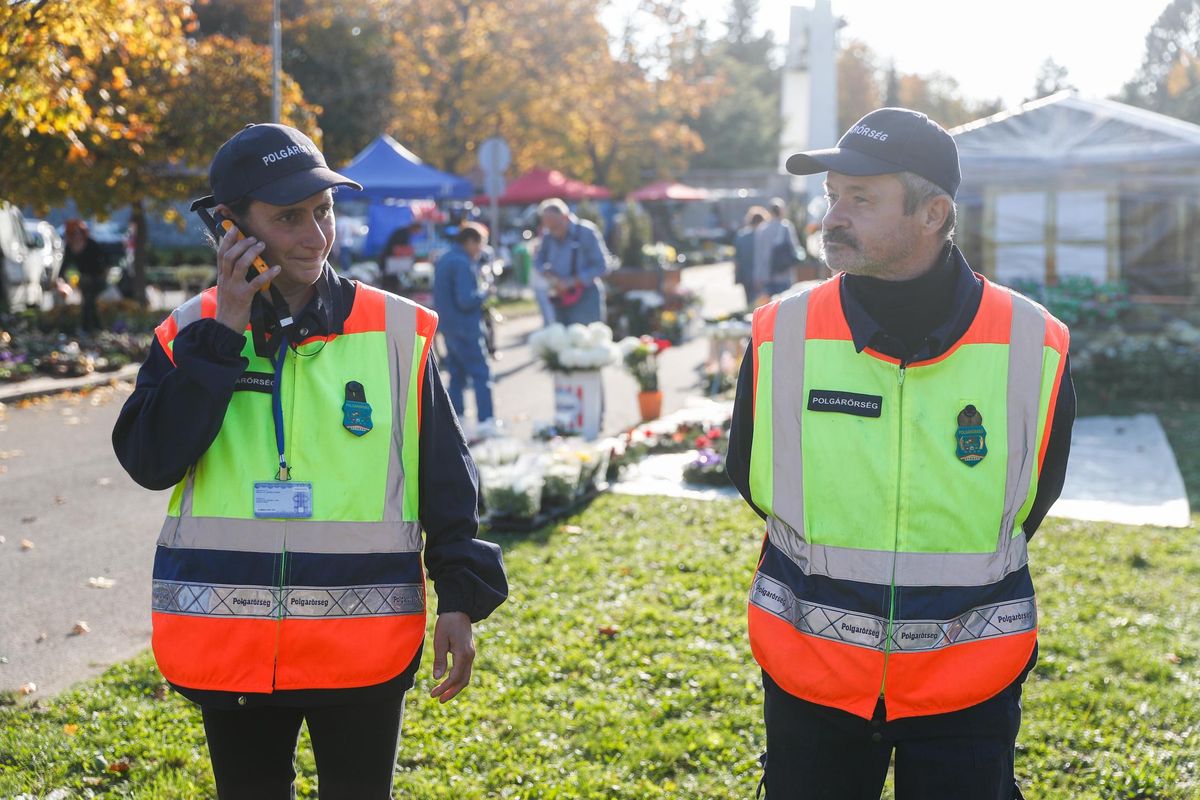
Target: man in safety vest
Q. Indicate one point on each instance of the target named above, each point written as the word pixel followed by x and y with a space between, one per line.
pixel 902 428
pixel 310 444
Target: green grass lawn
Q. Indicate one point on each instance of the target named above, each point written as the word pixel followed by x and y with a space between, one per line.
pixel 670 707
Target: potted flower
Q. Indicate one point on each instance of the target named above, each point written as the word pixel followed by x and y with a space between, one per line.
pixel 641 359
pixel 575 355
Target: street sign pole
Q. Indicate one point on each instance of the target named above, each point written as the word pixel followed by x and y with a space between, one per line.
pixel 494 158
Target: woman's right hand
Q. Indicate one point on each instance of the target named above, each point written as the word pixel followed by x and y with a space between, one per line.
pixel 235 294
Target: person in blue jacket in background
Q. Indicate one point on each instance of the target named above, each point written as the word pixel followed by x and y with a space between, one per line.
pixel 458 297
pixel 573 260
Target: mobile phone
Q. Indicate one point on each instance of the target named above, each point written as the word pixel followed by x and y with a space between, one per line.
pixel 218 225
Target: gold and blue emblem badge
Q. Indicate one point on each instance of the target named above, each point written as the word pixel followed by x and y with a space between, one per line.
pixel 971 437
pixel 356 412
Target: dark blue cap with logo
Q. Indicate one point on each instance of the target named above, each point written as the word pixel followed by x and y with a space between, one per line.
pixel 886 141
pixel 272 163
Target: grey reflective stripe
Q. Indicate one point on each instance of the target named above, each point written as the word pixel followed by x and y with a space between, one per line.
pixel 912 569
pixel 303 536
pixel 1025 354
pixel 864 630
pixel 188 313
pixel 268 602
pixel 787 392
pixel 401 337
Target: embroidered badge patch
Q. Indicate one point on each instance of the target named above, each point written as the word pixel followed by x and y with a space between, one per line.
pixel 971 437
pixel 356 412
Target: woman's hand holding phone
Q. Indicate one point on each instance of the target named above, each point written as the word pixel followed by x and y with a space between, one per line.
pixel 235 294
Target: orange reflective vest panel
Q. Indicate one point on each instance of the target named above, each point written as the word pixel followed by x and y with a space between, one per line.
pixel 895 565
pixel 335 599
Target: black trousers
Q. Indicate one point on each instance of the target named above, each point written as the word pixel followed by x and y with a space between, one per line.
pixel 253 750
pixel 818 752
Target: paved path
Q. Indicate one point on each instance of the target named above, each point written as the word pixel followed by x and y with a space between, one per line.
pixel 62 489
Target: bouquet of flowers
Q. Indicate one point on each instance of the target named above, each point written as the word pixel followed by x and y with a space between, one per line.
pixel 641 359
pixel 708 469
pixel 577 347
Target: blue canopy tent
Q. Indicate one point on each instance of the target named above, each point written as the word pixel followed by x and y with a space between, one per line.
pixel 389 171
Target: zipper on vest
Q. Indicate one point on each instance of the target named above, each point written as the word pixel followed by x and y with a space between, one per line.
pixel 891 620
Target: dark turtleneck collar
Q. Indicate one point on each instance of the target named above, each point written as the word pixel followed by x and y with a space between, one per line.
pixel 917 319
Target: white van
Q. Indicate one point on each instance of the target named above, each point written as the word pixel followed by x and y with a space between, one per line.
pixel 21 273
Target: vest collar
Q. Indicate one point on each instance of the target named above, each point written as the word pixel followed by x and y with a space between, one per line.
pixel 866 332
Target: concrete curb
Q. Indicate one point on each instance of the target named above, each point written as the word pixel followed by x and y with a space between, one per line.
pixel 39 387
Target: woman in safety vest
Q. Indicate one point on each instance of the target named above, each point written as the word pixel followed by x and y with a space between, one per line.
pixel 310 442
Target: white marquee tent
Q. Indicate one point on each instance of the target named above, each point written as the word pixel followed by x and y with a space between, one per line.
pixel 1071 186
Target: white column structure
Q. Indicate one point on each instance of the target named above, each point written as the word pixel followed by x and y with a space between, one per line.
pixel 808 96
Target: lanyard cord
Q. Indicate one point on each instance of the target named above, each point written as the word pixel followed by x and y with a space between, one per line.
pixel 277 406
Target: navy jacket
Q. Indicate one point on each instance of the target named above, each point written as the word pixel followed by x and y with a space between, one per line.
pixel 176 411
pixel 457 295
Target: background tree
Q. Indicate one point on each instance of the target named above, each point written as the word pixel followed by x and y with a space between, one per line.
pixel 148 121
pixel 339 52
pixel 1051 77
pixel 740 127
pixel 1168 80
pixel 863 86
pixel 858 83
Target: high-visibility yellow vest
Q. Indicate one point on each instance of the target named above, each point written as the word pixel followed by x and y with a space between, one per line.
pixel 335 600
pixel 895 564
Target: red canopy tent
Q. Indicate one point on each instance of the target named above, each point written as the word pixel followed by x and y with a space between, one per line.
pixel 542 184
pixel 667 190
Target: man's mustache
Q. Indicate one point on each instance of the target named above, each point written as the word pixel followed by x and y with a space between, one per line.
pixel 838 236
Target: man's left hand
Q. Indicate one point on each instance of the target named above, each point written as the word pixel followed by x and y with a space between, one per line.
pixel 452 634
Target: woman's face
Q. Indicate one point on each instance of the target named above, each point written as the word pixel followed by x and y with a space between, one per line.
pixel 298 237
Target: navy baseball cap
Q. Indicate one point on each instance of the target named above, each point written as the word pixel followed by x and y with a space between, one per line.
pixel 272 163
pixel 886 141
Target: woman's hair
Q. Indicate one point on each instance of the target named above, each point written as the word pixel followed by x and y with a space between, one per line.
pixel 470 232
pixel 239 208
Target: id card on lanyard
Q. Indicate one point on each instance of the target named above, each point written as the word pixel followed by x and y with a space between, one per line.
pixel 282 498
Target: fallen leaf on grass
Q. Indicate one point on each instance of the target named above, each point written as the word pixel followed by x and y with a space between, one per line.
pixel 80 628
pixel 70 729
pixel 28 688
pixel 120 765
pixel 101 582
pixel 609 630
pixel 26 544
pixel 1174 659
pixel 572 529
pixel 92 780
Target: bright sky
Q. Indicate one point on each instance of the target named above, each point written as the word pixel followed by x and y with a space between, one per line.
pixel 993 48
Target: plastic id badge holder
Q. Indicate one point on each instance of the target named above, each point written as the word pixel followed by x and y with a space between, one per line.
pixel 283 499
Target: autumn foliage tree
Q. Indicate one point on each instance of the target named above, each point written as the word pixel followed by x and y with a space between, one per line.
pixel 1168 80
pixel 142 113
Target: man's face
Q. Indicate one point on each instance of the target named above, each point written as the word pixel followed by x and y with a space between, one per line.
pixel 865 231
pixel 298 237
pixel 473 247
pixel 554 223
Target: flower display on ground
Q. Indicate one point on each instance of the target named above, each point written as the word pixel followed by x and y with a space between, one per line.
pixel 641 359
pixel 575 347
